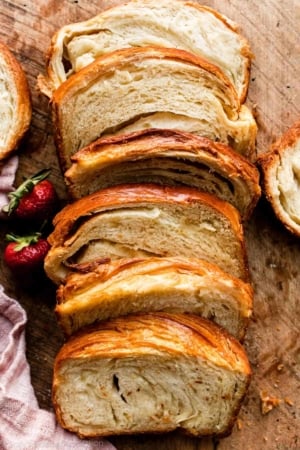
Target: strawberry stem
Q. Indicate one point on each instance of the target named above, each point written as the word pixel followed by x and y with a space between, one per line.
pixel 24 188
pixel 22 241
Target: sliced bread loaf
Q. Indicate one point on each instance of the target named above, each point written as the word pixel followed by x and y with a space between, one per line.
pixel 169 158
pixel 150 373
pixel 240 135
pixel 146 220
pixel 122 86
pixel 125 286
pixel 178 24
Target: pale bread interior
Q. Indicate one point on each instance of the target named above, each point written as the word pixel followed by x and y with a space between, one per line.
pixel 182 25
pixel 146 394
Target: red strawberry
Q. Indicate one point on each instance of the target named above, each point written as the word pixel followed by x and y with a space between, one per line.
pixel 35 200
pixel 25 255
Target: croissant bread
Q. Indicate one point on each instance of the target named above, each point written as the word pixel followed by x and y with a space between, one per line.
pixel 174 284
pixel 281 173
pixel 146 220
pixel 15 114
pixel 177 24
pixel 150 373
pixel 120 87
pixel 240 135
pixel 166 157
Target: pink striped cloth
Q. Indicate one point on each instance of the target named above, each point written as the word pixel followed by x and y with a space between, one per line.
pixel 23 425
pixel 7 178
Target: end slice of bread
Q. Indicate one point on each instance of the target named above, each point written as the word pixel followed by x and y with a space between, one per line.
pixel 281 178
pixel 177 24
pixel 166 157
pixel 150 373
pixel 15 115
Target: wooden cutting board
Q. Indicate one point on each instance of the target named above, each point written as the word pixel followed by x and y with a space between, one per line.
pixel 273 344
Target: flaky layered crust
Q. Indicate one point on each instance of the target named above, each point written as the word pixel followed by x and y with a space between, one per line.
pixel 175 284
pixel 175 341
pixel 120 58
pixel 166 157
pixel 280 170
pixel 184 203
pixel 15 102
pixel 159 28
pixel 120 87
pixel 206 340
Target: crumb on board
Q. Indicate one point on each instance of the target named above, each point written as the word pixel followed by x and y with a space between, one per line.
pixel 268 402
pixel 288 401
pixel 239 424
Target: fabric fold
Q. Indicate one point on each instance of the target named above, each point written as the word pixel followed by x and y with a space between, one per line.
pixel 7 178
pixel 23 425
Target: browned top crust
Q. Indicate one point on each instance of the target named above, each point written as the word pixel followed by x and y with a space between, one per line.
pixel 144 219
pixel 135 194
pixel 94 165
pixel 181 347
pixel 97 292
pixel 82 108
pixel 109 63
pixel 120 338
pixel 16 102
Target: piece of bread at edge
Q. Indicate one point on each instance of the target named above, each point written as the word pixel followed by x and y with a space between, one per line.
pixel 174 284
pixel 281 174
pixel 177 24
pixel 146 220
pixel 120 87
pixel 169 158
pixel 15 114
pixel 150 373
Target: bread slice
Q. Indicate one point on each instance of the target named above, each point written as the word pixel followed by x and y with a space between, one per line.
pixel 146 220
pixel 177 24
pixel 240 135
pixel 15 113
pixel 181 285
pixel 120 87
pixel 150 373
pixel 281 177
pixel 169 158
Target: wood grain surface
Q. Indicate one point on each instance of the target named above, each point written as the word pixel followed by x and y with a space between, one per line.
pixel 272 342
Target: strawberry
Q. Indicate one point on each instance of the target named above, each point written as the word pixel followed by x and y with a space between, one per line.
pixel 25 255
pixel 35 200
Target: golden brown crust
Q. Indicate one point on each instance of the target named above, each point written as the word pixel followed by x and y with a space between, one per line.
pixel 171 336
pixel 206 340
pixel 135 194
pixel 115 60
pixel 97 158
pixel 20 91
pixel 93 285
pixel 69 236
pixel 48 83
pixel 286 140
pixel 104 271
pixel 269 163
